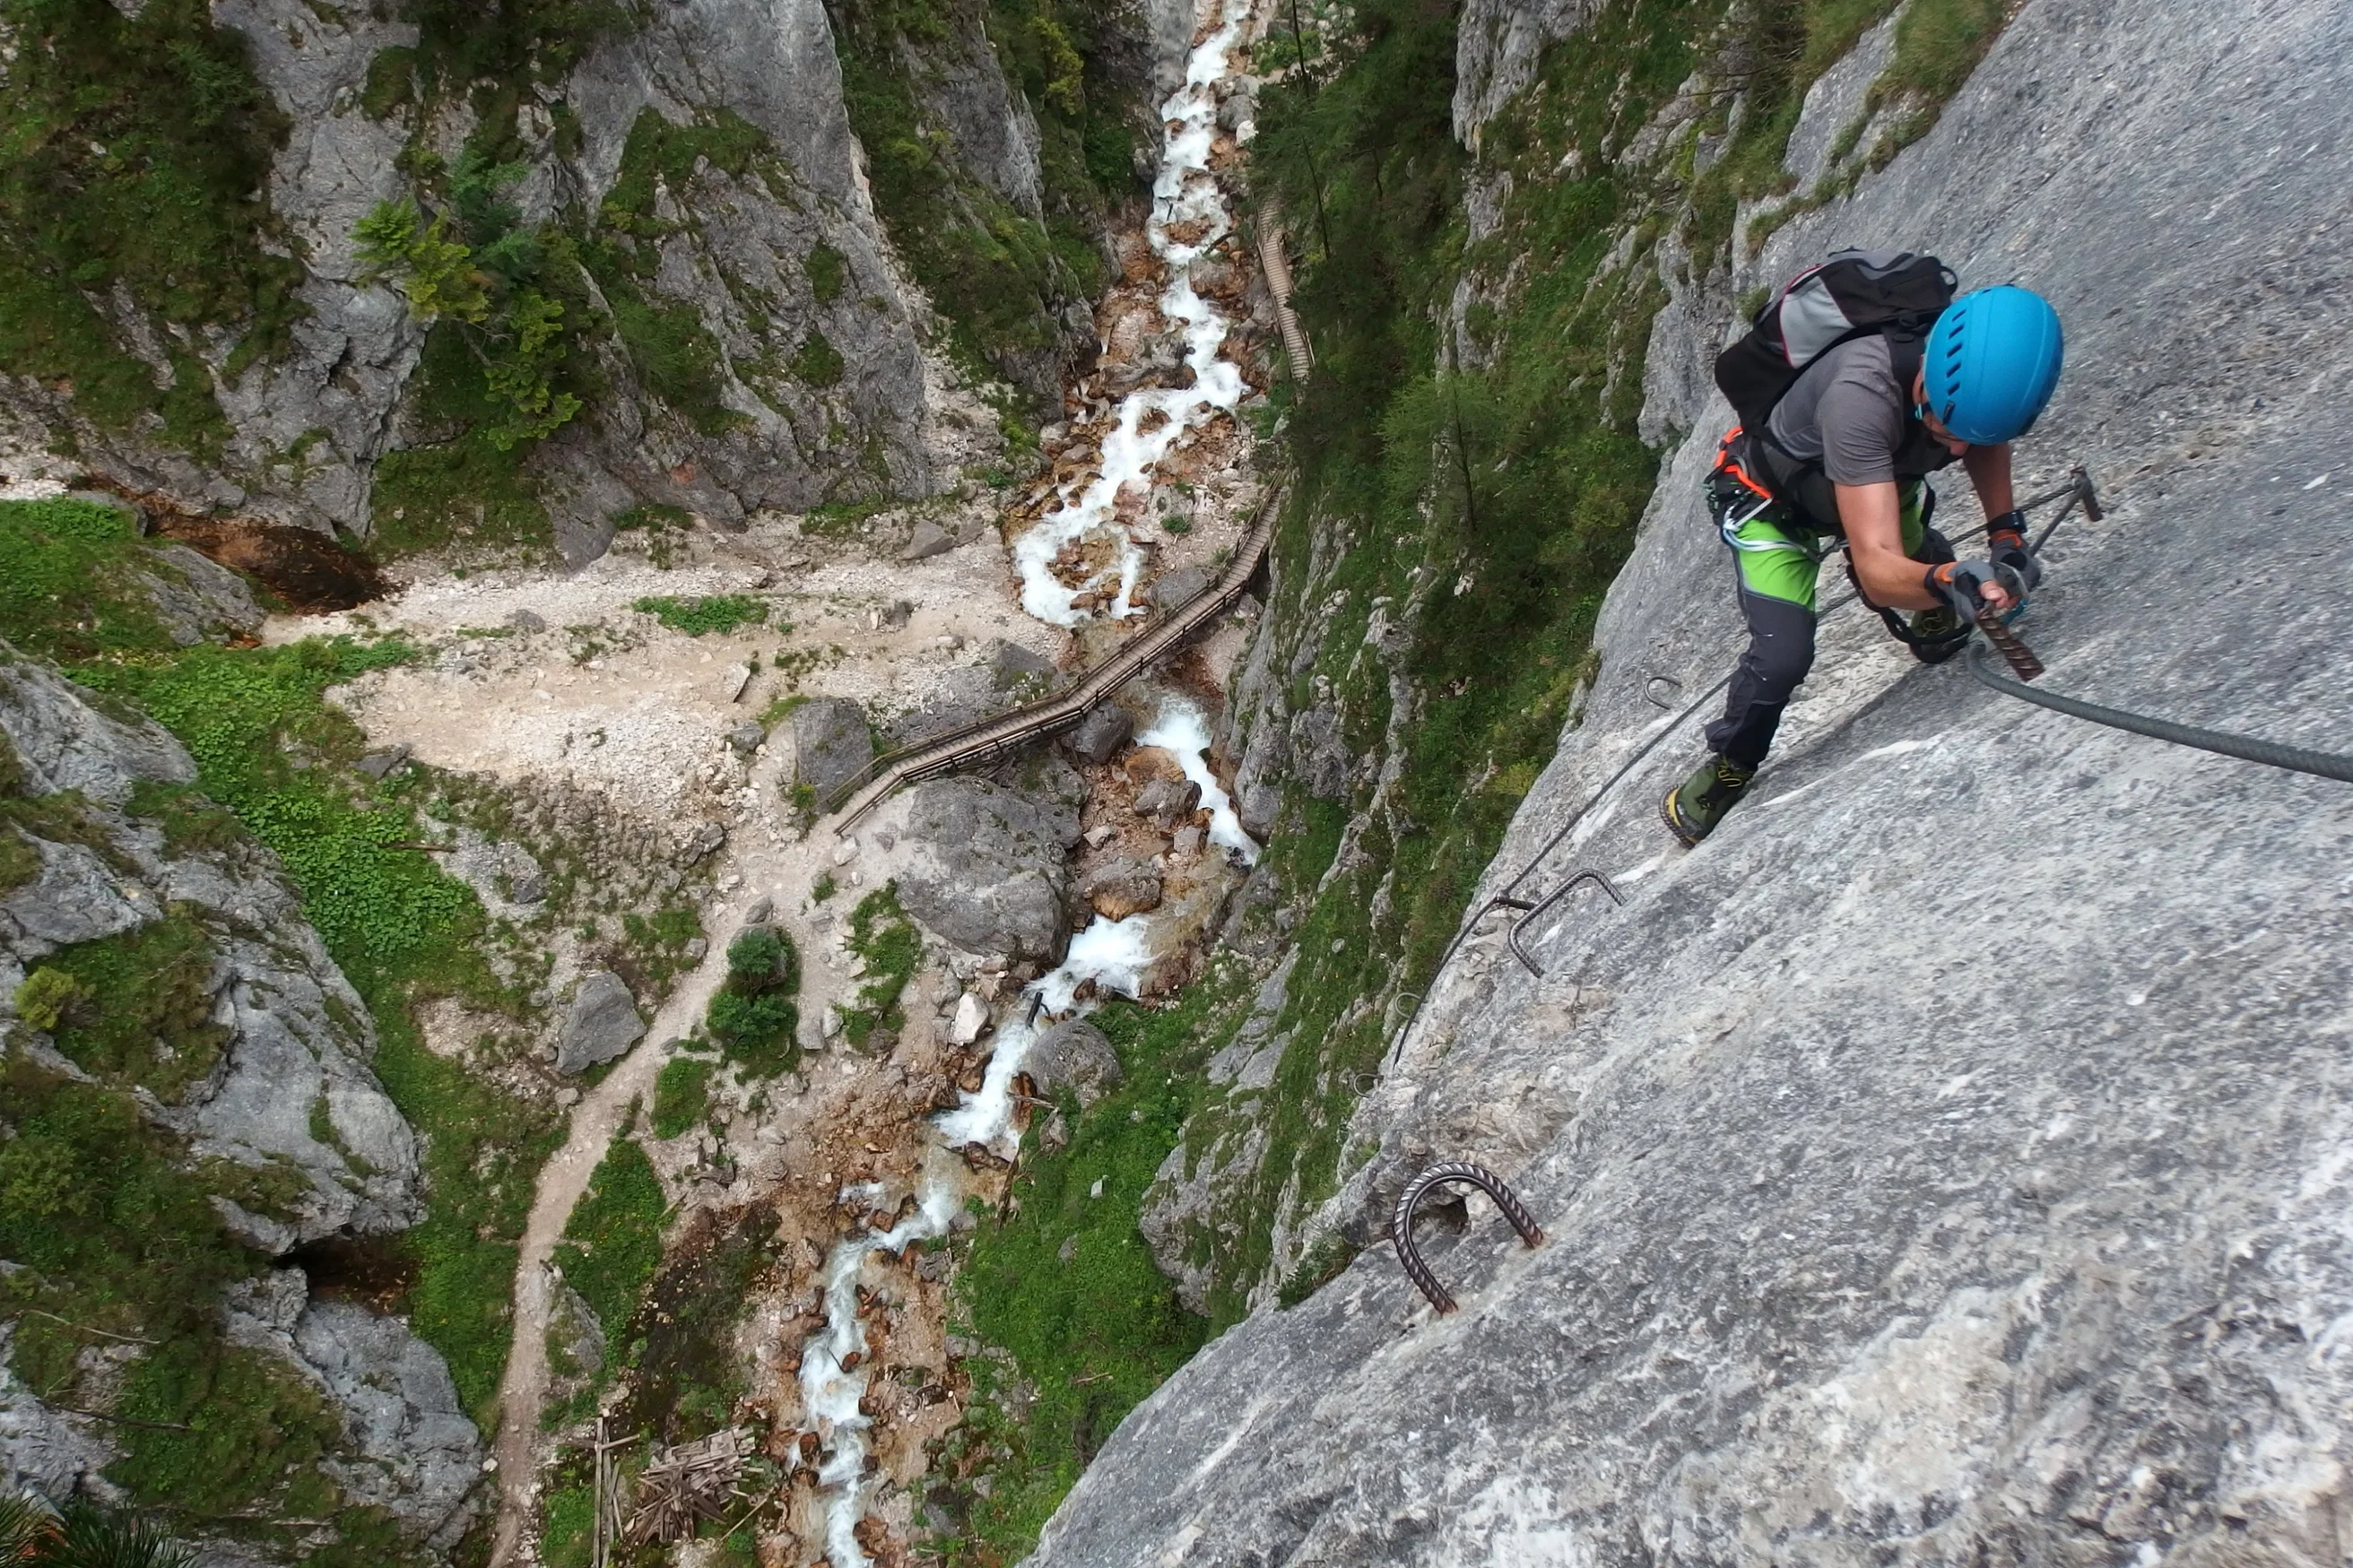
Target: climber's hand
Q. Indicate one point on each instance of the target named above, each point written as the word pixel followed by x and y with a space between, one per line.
pixel 1969 586
pixel 2006 542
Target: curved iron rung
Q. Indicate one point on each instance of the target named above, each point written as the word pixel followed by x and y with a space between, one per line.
pixel 1438 1175
pixel 1595 877
pixel 1650 690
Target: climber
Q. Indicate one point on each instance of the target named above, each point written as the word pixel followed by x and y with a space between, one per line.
pixel 1839 452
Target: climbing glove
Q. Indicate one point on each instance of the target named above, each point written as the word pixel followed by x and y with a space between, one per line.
pixel 1962 585
pixel 2006 542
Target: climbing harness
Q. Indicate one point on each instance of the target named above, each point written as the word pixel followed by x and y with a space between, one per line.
pixel 1465 1174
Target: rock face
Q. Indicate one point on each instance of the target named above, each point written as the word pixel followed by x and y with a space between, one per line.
pixel 1121 887
pixel 599 1023
pixel 984 867
pixel 291 1087
pixel 831 743
pixel 1942 1164
pixel 1104 731
pixel 414 1452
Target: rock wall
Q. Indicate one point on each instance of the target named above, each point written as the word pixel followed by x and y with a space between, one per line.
pixel 768 283
pixel 286 1129
pixel 1942 1163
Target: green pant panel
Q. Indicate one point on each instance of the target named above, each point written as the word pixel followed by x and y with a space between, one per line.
pixel 1779 561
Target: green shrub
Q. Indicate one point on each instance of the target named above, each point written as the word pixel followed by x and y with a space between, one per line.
pixel 828 272
pixel 681 1095
pixel 46 995
pixel 721 613
pixel 147 1016
pixel 762 959
pixel 882 934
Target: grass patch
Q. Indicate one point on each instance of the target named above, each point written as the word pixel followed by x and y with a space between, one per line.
pixel 682 1096
pixel 684 1375
pixel 1068 1286
pixel 138 1006
pixel 69 580
pixel 721 613
pixel 881 934
pixel 612 1244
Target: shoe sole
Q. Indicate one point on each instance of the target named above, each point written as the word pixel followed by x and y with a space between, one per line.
pixel 1667 815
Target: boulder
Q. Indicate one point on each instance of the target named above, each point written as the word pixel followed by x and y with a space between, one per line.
pixel 196 599
pixel 599 1023
pixel 1075 1056
pixel 1010 665
pixel 1121 887
pixel 985 867
pixel 1168 799
pixel 745 737
pixel 1102 732
pixel 831 743
pixel 971 1020
pixel 1180 587
pixel 929 539
pixel 527 621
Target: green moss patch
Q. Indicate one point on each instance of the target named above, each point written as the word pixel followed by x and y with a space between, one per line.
pixel 887 941
pixel 69 580
pixel 142 1005
pixel 720 612
pixel 682 1096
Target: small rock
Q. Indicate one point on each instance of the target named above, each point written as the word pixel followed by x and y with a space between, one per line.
pixel 1010 664
pixel 762 907
pixel 696 947
pixel 1068 1251
pixel 894 616
pixel 1188 842
pixel 1104 731
pixel 845 852
pixel 731 684
pixel 1168 799
pixel 1121 887
pixel 746 737
pixel 929 539
pixel 568 1097
pixel 527 621
pixel 377 764
pixel 1100 835
pixel 830 1023
pixel 971 1020
pixel 700 843
pixel 600 1024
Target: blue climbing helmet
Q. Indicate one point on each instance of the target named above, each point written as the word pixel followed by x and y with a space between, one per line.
pixel 1992 364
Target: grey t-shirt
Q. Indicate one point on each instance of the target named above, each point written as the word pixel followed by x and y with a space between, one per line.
pixel 1847 413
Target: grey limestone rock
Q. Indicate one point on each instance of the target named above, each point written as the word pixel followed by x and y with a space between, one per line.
pixel 1121 887
pixel 985 867
pixel 929 539
pixel 1012 667
pixel 1865 1243
pixel 1102 732
pixel 1075 1056
pixel 600 1023
pixel 831 743
pixel 294 1060
pixel 745 737
pixel 1320 760
pixel 416 1454
pixel 1168 799
pixel 198 600
pixel 1180 587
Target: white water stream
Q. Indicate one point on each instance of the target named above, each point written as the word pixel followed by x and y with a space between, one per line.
pixel 1113 954
pixel 1185 197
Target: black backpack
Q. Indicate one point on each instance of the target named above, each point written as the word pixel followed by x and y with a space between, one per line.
pixel 1853 292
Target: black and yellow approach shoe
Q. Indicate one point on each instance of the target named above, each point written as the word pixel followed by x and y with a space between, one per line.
pixel 1694 806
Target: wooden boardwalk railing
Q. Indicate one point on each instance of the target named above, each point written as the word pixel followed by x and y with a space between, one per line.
pixel 988 740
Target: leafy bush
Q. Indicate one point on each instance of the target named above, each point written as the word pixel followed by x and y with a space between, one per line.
pixel 721 613
pixel 752 1017
pixel 46 995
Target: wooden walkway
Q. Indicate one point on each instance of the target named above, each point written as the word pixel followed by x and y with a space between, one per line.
pixel 988 740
